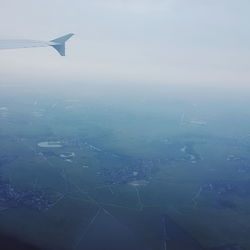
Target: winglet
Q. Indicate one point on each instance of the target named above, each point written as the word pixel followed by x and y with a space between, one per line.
pixel 59 43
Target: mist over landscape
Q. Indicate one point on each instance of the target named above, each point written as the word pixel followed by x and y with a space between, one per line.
pixel 86 159
pixel 139 138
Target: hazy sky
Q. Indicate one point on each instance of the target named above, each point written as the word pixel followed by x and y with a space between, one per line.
pixel 173 41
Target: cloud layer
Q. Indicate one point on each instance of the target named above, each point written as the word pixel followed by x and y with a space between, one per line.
pixel 198 42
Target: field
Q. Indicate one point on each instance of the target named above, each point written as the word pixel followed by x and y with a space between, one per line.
pixel 125 158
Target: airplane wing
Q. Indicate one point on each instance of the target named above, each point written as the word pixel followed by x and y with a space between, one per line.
pixel 58 44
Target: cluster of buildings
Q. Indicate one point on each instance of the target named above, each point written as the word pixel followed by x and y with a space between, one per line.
pixel 11 197
pixel 241 188
pixel 136 171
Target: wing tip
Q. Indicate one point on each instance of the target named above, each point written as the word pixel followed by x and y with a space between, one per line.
pixel 60 46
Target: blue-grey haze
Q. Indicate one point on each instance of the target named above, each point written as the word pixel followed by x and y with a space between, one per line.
pixel 139 138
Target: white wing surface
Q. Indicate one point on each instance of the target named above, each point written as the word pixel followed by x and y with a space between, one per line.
pixel 58 44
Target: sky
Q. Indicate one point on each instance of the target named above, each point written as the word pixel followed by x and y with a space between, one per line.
pixel 198 42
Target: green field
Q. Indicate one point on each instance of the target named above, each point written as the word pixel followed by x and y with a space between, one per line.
pixel 111 128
